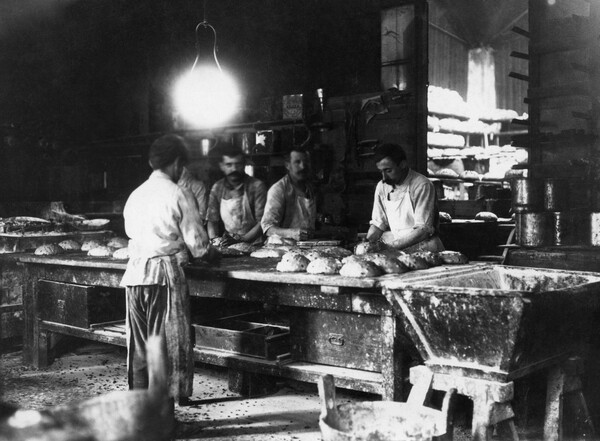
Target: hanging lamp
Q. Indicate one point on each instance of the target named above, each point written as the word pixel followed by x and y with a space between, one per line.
pixel 206 96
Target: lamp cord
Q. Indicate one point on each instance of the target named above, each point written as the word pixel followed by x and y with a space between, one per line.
pixel 204 23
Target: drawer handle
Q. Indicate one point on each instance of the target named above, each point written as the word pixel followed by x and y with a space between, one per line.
pixel 336 339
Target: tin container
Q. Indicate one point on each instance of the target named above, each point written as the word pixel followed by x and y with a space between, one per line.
pixel 570 228
pixel 533 229
pixel 527 195
pixel 556 194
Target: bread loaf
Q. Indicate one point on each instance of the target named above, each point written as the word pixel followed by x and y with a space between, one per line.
pixel 70 245
pixel 89 244
pixel 101 251
pixel 486 216
pixel 432 259
pixel 387 264
pixel 357 268
pixel 453 257
pixel 293 262
pixel 50 249
pixel 263 253
pixel 413 262
pixel 121 253
pixel 324 265
pixel 367 247
pixel 118 242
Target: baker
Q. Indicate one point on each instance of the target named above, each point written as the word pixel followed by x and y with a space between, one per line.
pixel 237 200
pixel 291 209
pixel 405 212
pixel 163 224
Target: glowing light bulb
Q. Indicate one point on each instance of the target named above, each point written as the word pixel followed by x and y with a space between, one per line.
pixel 206 97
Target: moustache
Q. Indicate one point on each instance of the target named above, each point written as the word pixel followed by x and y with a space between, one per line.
pixel 236 174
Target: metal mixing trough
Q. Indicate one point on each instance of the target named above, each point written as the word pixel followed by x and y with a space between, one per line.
pixel 496 322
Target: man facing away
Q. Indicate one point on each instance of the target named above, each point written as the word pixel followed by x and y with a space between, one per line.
pixel 163 224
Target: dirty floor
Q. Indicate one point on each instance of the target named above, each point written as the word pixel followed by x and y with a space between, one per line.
pixel 92 369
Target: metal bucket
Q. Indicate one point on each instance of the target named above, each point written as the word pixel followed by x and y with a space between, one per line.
pixel 533 229
pixel 570 228
pixel 378 420
pixel 556 194
pixel 526 195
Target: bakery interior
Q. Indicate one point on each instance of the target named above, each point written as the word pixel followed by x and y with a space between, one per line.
pixel 496 103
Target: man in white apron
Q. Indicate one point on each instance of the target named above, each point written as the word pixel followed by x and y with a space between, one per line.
pixel 291 209
pixel 237 200
pixel 405 213
pixel 163 224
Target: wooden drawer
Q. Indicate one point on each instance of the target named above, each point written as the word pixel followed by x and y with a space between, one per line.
pixel 79 305
pixel 244 334
pixel 337 338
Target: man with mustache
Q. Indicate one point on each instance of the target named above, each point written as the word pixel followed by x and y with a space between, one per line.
pixel 291 209
pixel 237 200
pixel 405 213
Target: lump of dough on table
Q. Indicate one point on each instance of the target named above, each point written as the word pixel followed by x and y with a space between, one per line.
pixel 121 253
pixel 336 252
pixel 388 265
pixel 263 253
pixel 293 262
pixel 50 249
pixel 486 216
pixel 432 259
pixel 324 265
pixel 357 268
pixel 453 257
pixel 70 245
pixel 244 247
pixel 89 244
pixel 413 262
pixel 101 251
pixel 117 242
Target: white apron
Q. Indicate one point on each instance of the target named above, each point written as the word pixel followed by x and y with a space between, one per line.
pixel 306 214
pixel 237 215
pixel 401 219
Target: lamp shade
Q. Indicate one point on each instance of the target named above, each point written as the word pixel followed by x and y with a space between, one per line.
pixel 206 97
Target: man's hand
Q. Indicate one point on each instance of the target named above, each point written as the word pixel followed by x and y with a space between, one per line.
pixel 299 234
pixel 230 239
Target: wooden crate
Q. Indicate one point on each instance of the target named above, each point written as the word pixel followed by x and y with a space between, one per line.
pixel 79 305
pixel 247 334
pixel 337 338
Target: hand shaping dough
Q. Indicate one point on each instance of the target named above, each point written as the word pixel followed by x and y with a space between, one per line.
pixel 101 251
pixel 70 245
pixel 453 257
pixel 324 265
pixel 367 247
pixel 50 249
pixel 445 218
pixel 121 253
pixel 293 262
pixel 360 269
pixel 118 242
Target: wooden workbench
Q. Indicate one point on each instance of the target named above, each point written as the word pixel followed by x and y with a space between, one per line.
pixel 241 279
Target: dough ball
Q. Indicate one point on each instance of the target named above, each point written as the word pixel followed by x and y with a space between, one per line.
pixel 353 258
pixel 121 253
pixel 313 254
pixel 445 218
pixel 50 249
pixel 263 253
pixel 413 262
pixel 447 173
pixel 486 216
pixel 470 174
pixel 362 268
pixel 453 257
pixel 387 264
pixel 89 244
pixel 70 245
pixel 293 262
pixel 337 252
pixel 432 259
pixel 101 251
pixel 118 242
pixel 324 265
pixel 367 247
